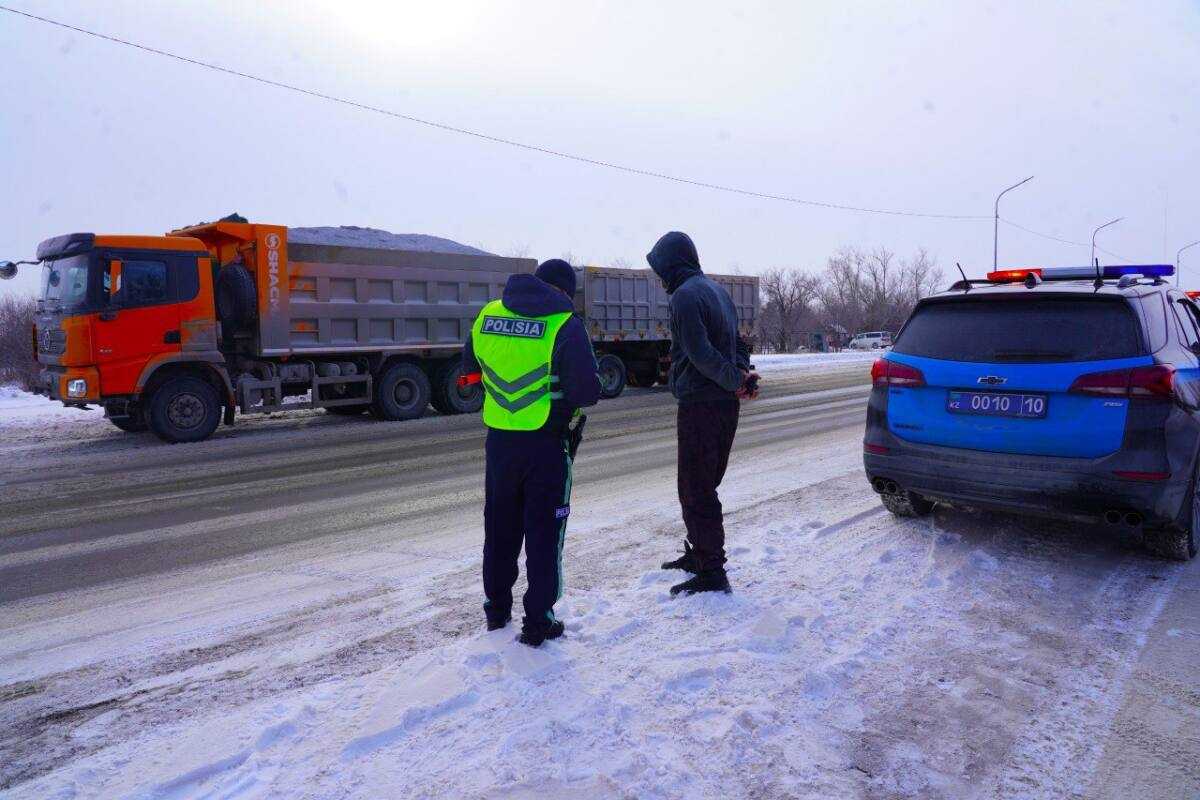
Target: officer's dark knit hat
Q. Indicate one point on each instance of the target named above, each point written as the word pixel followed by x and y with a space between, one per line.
pixel 557 272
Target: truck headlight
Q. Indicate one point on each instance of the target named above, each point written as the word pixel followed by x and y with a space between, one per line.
pixel 77 388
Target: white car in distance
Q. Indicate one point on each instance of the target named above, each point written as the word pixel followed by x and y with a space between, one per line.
pixel 872 340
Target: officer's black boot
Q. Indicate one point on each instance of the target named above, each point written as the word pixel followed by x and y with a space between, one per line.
pixel 686 562
pixel 710 580
pixel 534 632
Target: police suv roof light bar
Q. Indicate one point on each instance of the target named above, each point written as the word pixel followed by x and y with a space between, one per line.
pixel 1112 272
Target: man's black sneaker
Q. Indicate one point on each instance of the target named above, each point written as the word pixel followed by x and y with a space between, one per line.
pixel 534 633
pixel 686 562
pixel 710 580
pixel 495 624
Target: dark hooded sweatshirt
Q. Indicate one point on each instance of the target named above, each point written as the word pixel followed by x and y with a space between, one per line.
pixel 573 362
pixel 707 355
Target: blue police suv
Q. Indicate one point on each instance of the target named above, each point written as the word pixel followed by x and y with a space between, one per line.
pixel 1067 392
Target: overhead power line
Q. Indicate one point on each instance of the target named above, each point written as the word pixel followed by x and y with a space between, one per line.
pixel 486 136
pixel 1053 238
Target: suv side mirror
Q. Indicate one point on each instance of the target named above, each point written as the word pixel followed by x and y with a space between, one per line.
pixel 8 270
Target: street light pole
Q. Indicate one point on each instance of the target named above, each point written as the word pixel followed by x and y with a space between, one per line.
pixel 996 222
pixel 1180 253
pixel 1102 227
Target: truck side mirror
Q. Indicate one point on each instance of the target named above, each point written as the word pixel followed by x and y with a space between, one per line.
pixel 112 280
pixel 8 270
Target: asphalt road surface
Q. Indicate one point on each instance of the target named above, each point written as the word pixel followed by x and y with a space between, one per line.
pixel 114 506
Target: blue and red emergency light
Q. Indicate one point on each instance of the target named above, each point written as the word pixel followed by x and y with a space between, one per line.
pixel 1070 273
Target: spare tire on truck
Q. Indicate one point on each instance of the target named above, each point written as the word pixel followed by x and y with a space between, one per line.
pixel 402 392
pixel 450 398
pixel 236 297
pixel 612 375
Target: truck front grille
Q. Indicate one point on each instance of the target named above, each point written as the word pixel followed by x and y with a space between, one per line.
pixel 52 341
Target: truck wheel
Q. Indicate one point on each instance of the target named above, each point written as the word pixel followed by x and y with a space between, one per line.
pixel 907 504
pixel 448 397
pixel 402 392
pixel 236 297
pixel 1178 541
pixel 612 376
pixel 184 409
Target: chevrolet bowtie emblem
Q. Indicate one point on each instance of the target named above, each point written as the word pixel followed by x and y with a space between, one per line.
pixel 991 380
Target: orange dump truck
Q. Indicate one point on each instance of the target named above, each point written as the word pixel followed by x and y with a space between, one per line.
pixel 176 333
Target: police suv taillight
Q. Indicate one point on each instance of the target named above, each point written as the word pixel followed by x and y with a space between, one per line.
pixel 1156 382
pixel 892 373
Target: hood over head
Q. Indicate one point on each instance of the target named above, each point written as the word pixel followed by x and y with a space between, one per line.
pixel 558 273
pixel 531 296
pixel 674 259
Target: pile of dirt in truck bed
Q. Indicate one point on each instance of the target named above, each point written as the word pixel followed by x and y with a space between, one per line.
pixel 353 236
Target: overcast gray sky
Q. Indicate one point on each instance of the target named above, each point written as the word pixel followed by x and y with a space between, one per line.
pixel 926 106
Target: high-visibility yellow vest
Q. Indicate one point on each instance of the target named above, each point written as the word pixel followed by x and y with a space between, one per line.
pixel 515 354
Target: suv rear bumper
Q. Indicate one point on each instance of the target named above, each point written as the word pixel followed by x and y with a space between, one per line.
pixel 1038 485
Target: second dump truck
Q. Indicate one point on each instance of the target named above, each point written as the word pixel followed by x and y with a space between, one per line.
pixel 176 333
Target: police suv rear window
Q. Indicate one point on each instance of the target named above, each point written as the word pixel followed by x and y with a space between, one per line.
pixel 1022 330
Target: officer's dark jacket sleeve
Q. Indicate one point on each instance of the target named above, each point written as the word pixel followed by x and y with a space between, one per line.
pixel 743 354
pixel 575 365
pixel 469 363
pixel 688 314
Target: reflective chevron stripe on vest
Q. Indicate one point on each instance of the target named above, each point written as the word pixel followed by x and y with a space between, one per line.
pixel 515 355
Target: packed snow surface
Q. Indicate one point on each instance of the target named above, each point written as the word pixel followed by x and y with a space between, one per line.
pixel 19 407
pixel 353 236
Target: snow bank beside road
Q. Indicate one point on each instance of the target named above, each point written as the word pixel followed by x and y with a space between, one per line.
pixel 18 406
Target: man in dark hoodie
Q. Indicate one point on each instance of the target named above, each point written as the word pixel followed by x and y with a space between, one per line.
pixel 535 361
pixel 710 371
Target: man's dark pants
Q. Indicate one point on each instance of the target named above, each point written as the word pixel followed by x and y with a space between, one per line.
pixel 527 497
pixel 705 432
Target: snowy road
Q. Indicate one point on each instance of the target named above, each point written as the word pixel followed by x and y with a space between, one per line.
pixel 292 609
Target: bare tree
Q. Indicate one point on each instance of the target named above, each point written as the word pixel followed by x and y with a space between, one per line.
pixel 620 262
pixel 518 250
pixel 18 365
pixel 789 295
pixel 873 290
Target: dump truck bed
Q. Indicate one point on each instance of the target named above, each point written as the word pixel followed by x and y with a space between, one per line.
pixel 349 299
pixel 623 304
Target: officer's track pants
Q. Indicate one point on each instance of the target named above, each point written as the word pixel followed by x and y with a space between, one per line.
pixel 527 497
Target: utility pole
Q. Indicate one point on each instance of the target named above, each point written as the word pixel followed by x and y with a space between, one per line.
pixel 1102 227
pixel 1180 253
pixel 996 222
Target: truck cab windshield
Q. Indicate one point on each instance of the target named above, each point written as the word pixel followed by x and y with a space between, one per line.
pixel 65 283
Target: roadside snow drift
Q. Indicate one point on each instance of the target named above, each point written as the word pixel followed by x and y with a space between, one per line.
pixel 18 406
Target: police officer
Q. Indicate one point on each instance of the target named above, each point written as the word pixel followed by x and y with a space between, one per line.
pixel 536 364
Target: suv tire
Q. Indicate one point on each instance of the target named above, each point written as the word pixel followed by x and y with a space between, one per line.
pixel 1178 541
